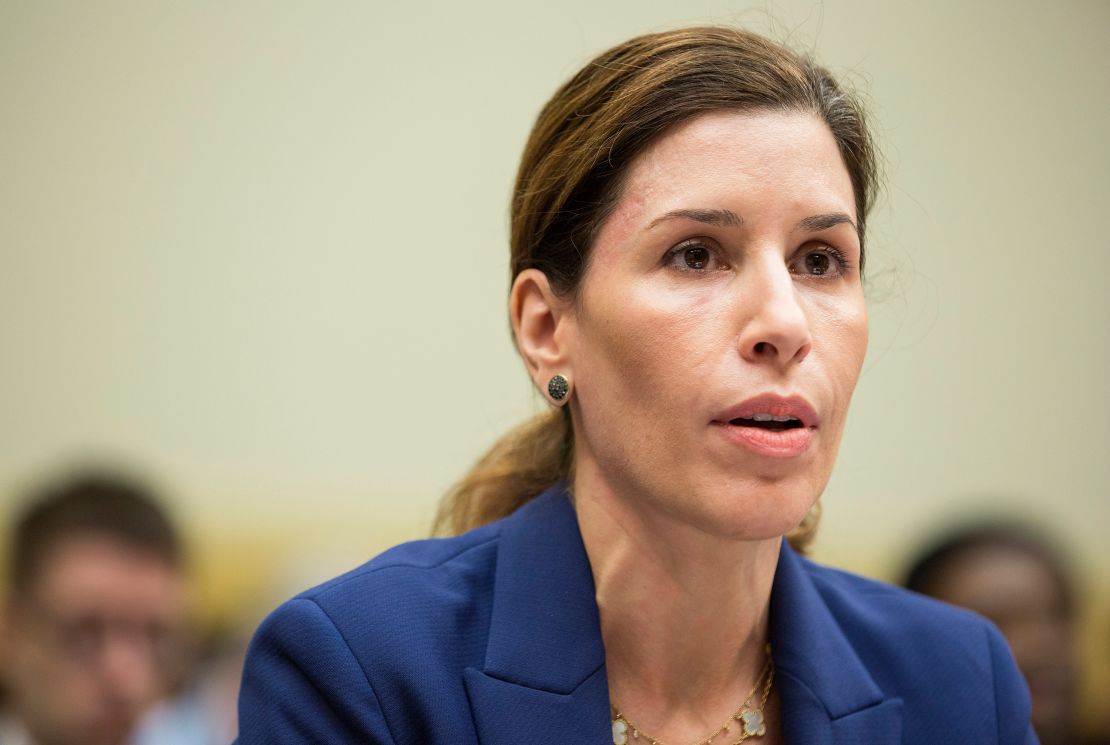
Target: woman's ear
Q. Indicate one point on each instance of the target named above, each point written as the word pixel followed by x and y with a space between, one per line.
pixel 540 321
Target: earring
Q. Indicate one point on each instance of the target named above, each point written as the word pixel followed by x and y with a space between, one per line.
pixel 558 387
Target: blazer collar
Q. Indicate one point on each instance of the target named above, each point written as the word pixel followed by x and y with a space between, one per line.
pixel 543 680
pixel 827 694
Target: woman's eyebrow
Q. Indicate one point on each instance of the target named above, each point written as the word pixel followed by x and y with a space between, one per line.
pixel 814 223
pixel 722 218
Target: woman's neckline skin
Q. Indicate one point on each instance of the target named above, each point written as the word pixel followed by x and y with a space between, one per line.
pixel 684 615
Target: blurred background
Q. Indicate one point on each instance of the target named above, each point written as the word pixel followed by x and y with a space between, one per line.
pixel 248 249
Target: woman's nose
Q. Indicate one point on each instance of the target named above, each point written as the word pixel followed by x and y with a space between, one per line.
pixel 777 330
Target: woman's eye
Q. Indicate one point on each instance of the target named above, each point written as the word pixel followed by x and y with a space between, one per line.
pixel 693 257
pixel 826 262
pixel 817 264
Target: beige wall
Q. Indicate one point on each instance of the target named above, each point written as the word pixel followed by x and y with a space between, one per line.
pixel 258 250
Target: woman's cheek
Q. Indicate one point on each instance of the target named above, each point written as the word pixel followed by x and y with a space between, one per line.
pixel 669 333
pixel 840 321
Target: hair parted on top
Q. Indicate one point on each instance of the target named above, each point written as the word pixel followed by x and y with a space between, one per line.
pixel 621 102
pixel 571 176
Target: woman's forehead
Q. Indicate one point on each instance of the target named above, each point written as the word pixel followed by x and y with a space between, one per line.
pixel 759 163
pixel 713 150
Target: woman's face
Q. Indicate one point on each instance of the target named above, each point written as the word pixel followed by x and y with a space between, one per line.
pixel 720 326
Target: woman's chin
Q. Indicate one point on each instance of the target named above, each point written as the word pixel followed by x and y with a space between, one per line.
pixel 756 509
pixel 754 517
pixel 758 528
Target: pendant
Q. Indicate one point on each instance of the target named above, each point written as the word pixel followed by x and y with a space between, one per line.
pixel 620 730
pixel 752 720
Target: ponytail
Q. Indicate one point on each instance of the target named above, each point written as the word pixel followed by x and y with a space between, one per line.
pixel 521 464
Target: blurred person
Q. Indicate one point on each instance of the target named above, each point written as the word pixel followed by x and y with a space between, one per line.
pixel 94 613
pixel 1008 574
pixel 204 711
pixel 687 247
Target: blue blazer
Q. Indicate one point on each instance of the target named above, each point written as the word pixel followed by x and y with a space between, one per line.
pixel 493 637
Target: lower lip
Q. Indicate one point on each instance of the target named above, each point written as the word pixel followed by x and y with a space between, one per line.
pixel 783 443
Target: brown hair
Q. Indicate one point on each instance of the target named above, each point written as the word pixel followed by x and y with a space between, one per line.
pixel 96 504
pixel 570 179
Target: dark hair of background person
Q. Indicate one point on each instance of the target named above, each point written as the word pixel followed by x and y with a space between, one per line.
pixel 571 176
pixel 932 563
pixel 89 504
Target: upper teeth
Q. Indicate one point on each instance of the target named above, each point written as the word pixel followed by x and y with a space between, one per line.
pixel 770 418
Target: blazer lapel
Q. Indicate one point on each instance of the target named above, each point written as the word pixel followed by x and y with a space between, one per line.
pixel 543 680
pixel 828 697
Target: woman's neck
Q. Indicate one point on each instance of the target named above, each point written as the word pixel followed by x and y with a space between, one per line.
pixel 684 615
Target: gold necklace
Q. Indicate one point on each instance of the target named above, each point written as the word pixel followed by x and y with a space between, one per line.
pixel 749 716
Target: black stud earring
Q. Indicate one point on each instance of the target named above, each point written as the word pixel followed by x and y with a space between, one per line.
pixel 558 387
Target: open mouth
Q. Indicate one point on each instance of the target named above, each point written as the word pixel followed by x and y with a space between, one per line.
pixel 770 425
pixel 768 422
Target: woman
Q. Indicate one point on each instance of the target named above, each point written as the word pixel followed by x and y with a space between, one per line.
pixel 687 248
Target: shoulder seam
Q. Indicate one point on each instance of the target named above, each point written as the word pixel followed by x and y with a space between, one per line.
pixel 365 570
pixel 354 659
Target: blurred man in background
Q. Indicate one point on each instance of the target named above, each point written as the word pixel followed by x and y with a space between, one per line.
pixel 1015 579
pixel 92 622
